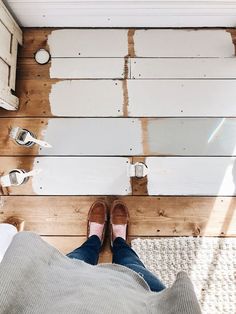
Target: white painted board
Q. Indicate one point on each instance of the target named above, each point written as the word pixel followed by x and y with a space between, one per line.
pixel 188 68
pixel 83 68
pixel 93 136
pixel 191 136
pixel 183 43
pixel 146 98
pixel 87 98
pixel 191 176
pixel 172 98
pixel 76 43
pixel 82 176
pixel 133 136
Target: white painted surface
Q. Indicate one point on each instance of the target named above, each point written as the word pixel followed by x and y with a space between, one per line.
pixel 199 98
pixel 191 176
pixel 10 23
pixel 129 137
pixel 4 70
pixel 89 98
pixel 117 13
pixel 82 176
pixel 147 98
pixel 10 35
pixel 76 43
pixel 75 68
pixel 5 46
pixel 183 43
pixel 88 136
pixel 177 68
pixel 192 136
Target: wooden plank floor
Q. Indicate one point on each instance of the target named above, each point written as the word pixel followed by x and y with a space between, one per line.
pixel 61 220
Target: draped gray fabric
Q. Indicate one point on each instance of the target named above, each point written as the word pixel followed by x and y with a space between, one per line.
pixel 37 278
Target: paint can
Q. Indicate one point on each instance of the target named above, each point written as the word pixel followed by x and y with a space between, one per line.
pixel 15 179
pixel 42 56
pixel 22 135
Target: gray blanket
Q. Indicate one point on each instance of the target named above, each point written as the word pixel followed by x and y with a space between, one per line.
pixel 37 278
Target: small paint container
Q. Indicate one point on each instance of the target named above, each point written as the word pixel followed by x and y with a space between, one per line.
pixel 15 179
pixel 42 56
pixel 20 138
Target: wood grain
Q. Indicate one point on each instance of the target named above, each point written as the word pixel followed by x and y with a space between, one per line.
pixel 33 40
pixel 149 216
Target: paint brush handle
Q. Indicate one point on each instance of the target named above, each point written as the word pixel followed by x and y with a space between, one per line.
pixel 31 173
pixel 41 143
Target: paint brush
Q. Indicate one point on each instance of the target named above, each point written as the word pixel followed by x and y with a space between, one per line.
pixel 17 177
pixel 23 136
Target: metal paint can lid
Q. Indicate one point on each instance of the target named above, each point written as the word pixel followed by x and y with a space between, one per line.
pixel 42 56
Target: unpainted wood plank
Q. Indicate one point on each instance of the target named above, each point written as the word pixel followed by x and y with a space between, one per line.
pixel 183 68
pixel 70 175
pixel 9 146
pixel 83 43
pixel 88 68
pixel 29 69
pixel 33 40
pixel 178 98
pixel 191 176
pixel 183 43
pixel 34 99
pixel 132 136
pixel 149 216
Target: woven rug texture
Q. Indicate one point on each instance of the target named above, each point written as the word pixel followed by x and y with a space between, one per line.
pixel 209 262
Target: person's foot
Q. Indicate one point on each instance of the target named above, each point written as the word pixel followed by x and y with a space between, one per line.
pixel 119 218
pixel 97 220
pixel 17 222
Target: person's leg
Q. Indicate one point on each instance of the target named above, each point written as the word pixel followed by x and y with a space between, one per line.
pixel 88 251
pixel 97 221
pixel 124 255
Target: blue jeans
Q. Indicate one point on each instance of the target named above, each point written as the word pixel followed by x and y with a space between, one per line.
pixel 122 254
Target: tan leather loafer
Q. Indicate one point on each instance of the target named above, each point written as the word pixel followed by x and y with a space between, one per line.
pixel 98 213
pixel 119 215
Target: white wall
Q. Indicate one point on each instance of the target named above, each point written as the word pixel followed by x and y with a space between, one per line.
pixel 115 13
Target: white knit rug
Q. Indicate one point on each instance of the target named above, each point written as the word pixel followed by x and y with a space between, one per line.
pixel 210 263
